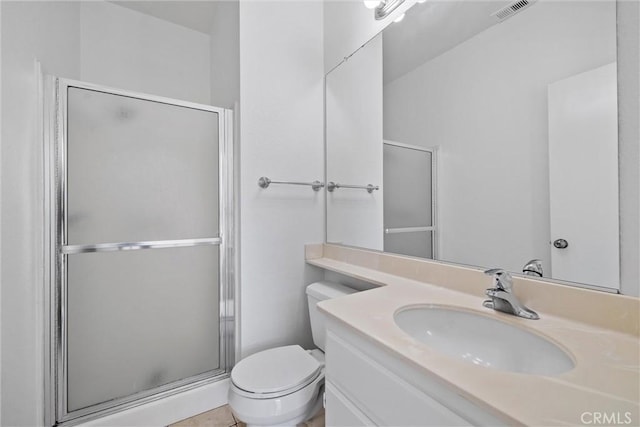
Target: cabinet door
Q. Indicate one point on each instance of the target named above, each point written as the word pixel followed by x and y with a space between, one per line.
pixel 342 412
pixel 380 394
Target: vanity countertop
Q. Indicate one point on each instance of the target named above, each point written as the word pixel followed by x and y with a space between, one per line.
pixel 606 352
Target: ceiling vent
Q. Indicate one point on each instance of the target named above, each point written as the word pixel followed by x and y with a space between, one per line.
pixel 512 9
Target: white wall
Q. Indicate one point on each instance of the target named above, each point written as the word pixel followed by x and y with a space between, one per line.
pixel 484 103
pixel 48 31
pixel 127 49
pixel 225 54
pixel 281 94
pixel 629 144
pixel 354 148
pixel 348 25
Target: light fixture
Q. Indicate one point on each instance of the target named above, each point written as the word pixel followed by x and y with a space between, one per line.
pixel 372 4
pixel 399 18
pixel 384 7
pixel 421 1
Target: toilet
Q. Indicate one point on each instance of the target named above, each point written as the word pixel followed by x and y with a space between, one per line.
pixel 284 385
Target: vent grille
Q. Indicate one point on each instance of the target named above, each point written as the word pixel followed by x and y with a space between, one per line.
pixel 512 9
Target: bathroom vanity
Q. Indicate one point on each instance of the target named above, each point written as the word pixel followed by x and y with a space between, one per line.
pixel 365 385
pixel 381 372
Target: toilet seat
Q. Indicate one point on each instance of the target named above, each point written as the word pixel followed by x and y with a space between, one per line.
pixel 276 372
pixel 287 410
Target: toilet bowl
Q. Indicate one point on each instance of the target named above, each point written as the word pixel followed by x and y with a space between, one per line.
pixel 284 386
pixel 280 386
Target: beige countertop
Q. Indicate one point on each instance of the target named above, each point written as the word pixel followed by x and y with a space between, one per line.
pixel 606 352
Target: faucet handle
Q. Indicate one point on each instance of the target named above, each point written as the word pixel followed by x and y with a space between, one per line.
pixel 501 279
pixel 533 268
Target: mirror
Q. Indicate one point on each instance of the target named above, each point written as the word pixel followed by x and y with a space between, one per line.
pixel 490 131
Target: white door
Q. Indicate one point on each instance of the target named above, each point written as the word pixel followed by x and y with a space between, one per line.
pixel 583 174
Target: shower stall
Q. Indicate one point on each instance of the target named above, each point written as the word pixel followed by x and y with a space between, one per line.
pixel 139 248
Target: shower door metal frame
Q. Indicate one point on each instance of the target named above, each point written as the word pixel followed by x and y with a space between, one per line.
pixel 55 256
pixel 433 228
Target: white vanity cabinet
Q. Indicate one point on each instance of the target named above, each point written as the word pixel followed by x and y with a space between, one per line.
pixel 367 385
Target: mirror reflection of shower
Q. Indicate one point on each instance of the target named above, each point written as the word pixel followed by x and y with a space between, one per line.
pixel 409 199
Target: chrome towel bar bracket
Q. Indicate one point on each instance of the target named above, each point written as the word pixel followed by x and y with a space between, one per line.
pixel 264 182
pixel 369 187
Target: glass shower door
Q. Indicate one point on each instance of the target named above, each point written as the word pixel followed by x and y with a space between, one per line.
pixel 409 202
pixel 139 251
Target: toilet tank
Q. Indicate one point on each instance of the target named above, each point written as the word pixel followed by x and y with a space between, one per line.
pixel 320 291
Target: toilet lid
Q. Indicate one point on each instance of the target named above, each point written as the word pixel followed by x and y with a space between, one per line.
pixel 275 370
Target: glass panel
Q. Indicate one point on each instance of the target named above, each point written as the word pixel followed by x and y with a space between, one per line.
pixel 407 187
pixel 414 244
pixel 139 170
pixel 139 319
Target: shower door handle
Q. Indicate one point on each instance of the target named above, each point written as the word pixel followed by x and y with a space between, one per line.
pixel 134 246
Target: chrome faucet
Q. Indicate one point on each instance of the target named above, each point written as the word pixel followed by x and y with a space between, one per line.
pixel 533 268
pixel 501 297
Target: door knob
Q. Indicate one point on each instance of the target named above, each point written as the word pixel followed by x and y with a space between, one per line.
pixel 560 243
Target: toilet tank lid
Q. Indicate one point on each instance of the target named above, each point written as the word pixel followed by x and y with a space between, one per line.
pixel 327 290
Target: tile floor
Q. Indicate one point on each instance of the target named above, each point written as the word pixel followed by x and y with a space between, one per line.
pixel 219 417
pixel 222 417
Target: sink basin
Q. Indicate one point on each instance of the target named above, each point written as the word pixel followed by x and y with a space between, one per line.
pixel 483 341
